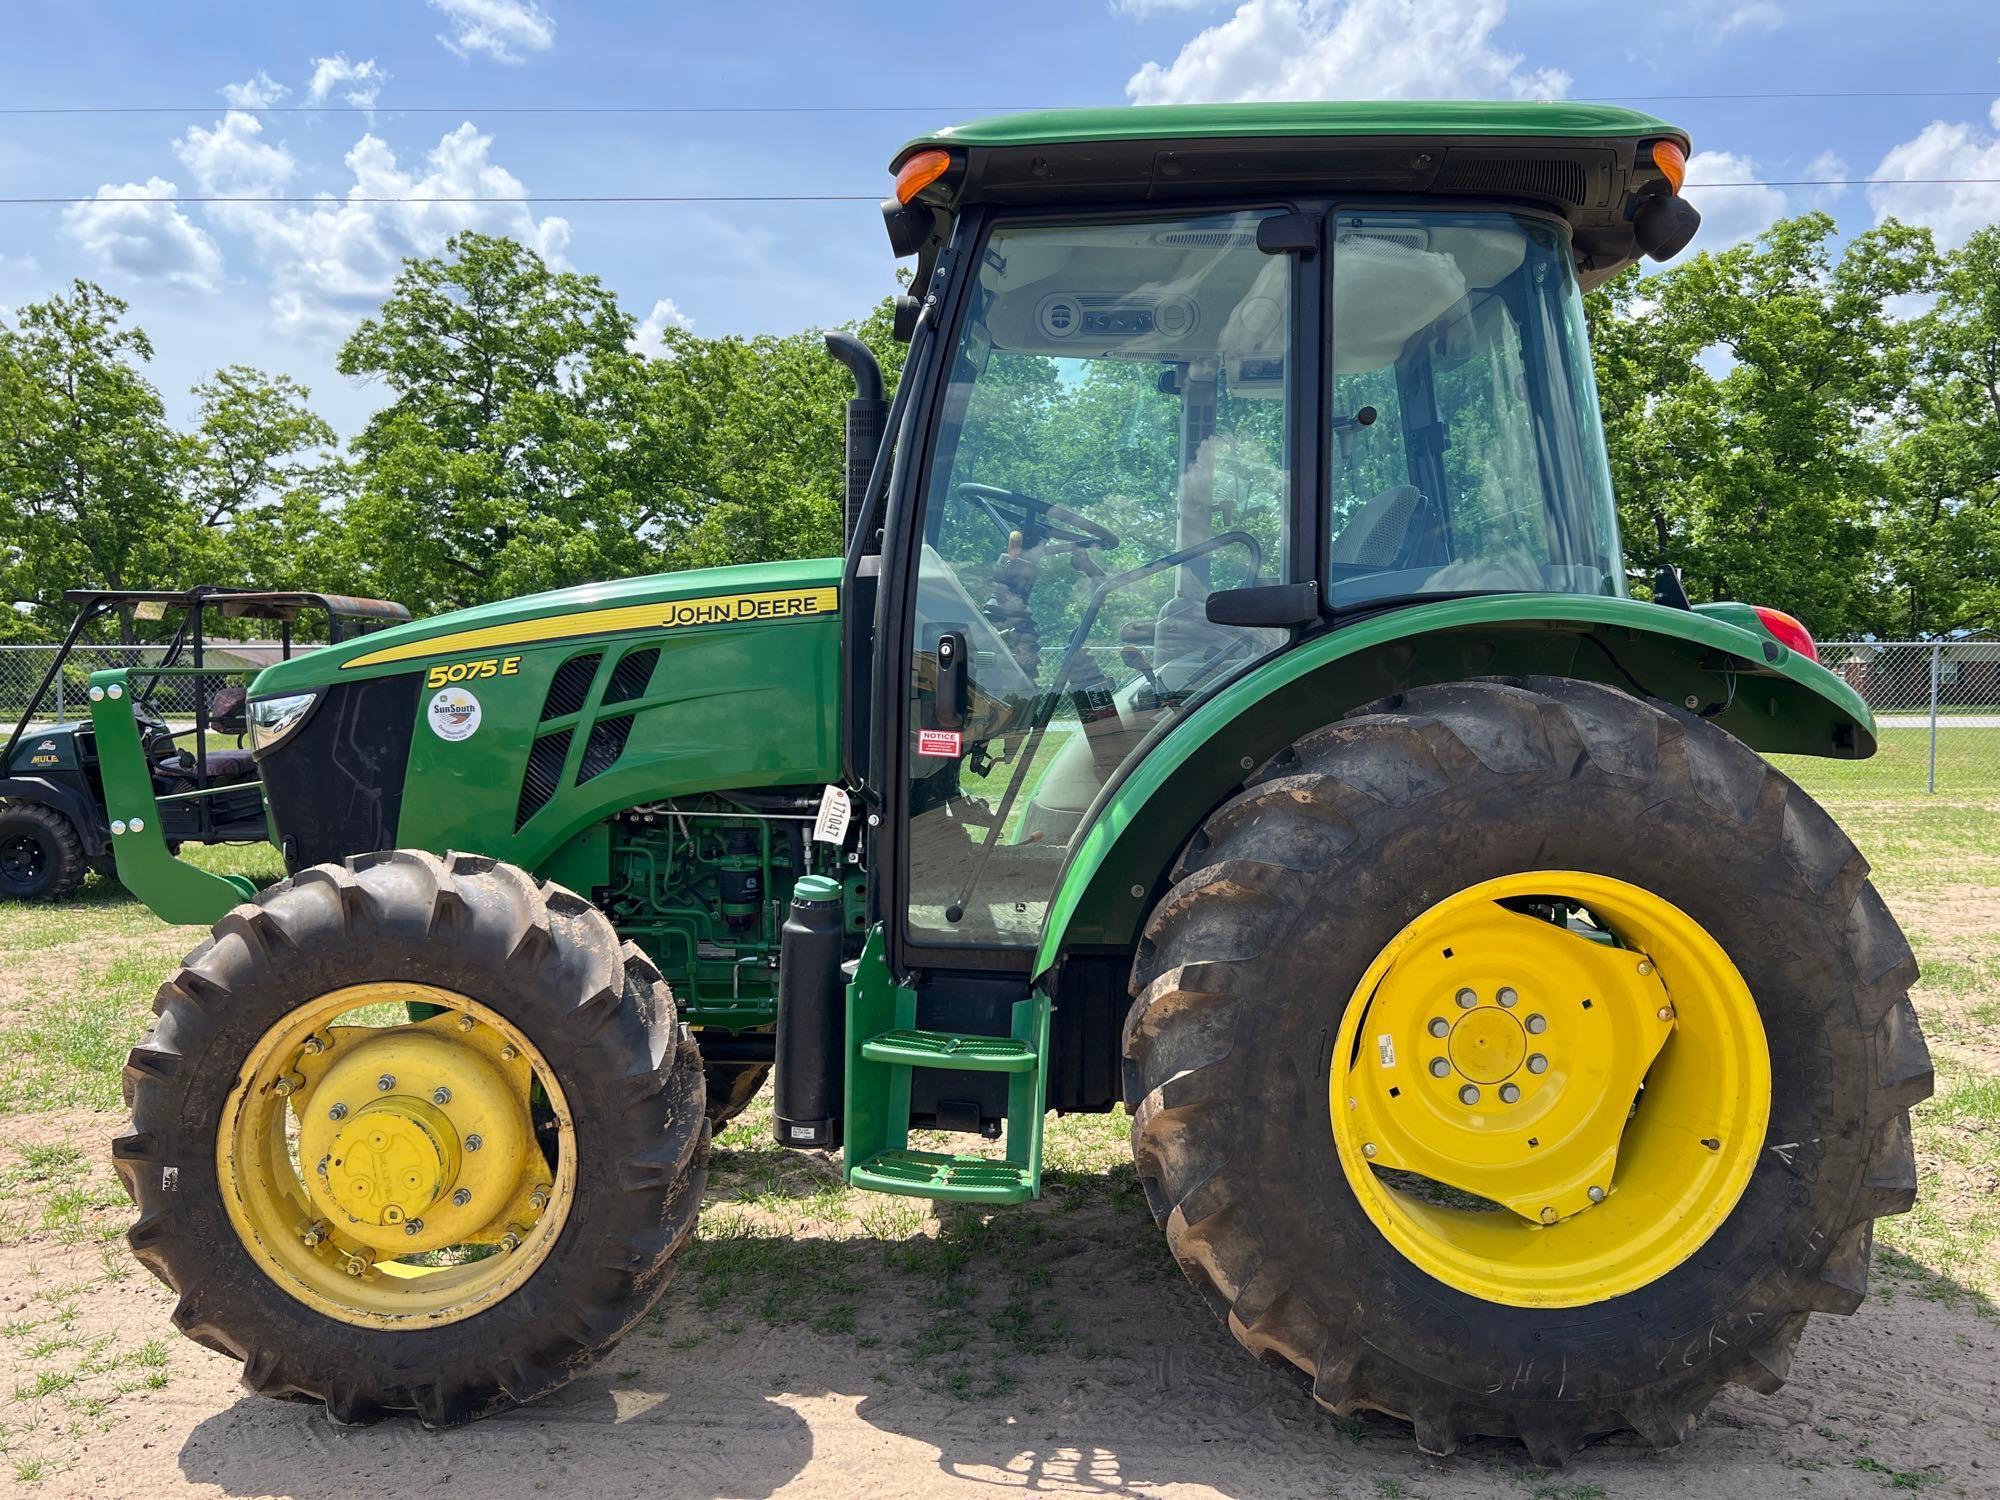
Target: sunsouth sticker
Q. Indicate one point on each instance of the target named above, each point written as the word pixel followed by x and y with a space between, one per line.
pixel 454 714
pixel 939 742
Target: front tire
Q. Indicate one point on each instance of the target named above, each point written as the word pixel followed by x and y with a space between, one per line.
pixel 501 1187
pixel 41 858
pixel 1281 925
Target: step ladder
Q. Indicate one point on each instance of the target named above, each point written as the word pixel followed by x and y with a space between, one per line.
pixel 884 1045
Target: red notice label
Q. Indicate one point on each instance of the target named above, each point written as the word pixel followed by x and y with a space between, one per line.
pixel 940 742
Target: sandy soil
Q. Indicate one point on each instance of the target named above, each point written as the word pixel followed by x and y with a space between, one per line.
pixel 1168 1406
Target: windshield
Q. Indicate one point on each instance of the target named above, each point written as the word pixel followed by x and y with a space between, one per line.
pixel 1467 453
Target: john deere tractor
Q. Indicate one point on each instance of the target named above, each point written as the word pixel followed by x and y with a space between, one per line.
pixel 1230 707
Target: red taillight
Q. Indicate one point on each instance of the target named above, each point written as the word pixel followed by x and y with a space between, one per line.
pixel 1787 631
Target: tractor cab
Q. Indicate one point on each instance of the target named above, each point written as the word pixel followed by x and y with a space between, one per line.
pixel 1187 387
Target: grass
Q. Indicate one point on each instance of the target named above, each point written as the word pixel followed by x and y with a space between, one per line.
pixel 782 1245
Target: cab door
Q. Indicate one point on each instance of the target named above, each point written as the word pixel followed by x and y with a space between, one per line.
pixel 1110 444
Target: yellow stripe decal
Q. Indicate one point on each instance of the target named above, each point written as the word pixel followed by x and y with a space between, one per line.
pixel 667 614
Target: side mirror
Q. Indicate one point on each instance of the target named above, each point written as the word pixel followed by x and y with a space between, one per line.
pixel 1664 224
pixel 1276 605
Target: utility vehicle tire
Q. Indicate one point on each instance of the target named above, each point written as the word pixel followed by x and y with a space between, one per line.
pixel 40 857
pixel 1288 898
pixel 730 1089
pixel 559 1044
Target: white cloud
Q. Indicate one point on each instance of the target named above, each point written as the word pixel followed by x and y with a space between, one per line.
pixel 1758 18
pixel 1953 210
pixel 1730 214
pixel 1829 167
pixel 365 80
pixel 329 264
pixel 665 315
pixel 504 30
pixel 233 159
pixel 260 92
pixel 148 240
pixel 1348 49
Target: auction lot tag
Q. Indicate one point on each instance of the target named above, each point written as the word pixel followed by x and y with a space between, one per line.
pixel 940 742
pixel 835 812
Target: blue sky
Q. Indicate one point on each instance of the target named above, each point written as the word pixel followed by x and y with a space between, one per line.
pixel 279 286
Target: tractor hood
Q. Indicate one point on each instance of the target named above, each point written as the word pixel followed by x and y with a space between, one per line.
pixel 662 602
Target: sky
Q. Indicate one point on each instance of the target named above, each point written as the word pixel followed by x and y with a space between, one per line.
pixel 446 98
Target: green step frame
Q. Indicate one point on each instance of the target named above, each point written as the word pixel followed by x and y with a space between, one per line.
pixel 884 1044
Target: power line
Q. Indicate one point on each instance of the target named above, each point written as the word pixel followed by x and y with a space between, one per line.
pixel 954 110
pixel 333 201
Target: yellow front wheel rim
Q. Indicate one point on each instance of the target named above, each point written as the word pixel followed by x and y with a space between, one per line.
pixel 1549 1113
pixel 390 1173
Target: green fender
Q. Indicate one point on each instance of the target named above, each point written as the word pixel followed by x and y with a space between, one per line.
pixel 1765 694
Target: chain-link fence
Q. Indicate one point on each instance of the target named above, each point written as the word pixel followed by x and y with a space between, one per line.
pixel 1937 710
pixel 22 669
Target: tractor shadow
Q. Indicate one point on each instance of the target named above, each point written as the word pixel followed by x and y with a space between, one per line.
pixel 912 1349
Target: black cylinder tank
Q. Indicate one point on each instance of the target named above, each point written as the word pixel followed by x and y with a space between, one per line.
pixel 812 1019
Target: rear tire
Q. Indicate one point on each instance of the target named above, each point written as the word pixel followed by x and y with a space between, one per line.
pixel 536 957
pixel 41 858
pixel 1290 891
pixel 730 1089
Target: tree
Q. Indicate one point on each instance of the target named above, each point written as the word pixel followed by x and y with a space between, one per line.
pixel 488 473
pixel 88 464
pixel 1940 535
pixel 1744 395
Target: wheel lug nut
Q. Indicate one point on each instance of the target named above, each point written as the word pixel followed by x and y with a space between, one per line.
pixel 1367 1148
pixel 314 1045
pixel 287 1085
pixel 1665 1013
pixel 509 1052
pixel 1537 1025
pixel 1596 1194
pixel 386 1082
pixel 1439 1067
pixel 1548 1216
pixel 440 1095
pixel 511 1240
pixel 1468 1095
pixel 1538 1063
pixel 338 1112
pixel 474 1142
pixel 1440 1026
pixel 314 1233
pixel 1645 968
pixel 415 1226
pixel 1508 995
pixel 1467 999
pixel 466 1023
pixel 462 1197
pixel 539 1199
pixel 355 1265
pixel 1509 1093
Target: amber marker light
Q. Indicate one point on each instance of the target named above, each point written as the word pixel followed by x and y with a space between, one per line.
pixel 1672 161
pixel 919 172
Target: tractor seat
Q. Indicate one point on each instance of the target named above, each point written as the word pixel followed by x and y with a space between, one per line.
pixel 226 710
pixel 223 766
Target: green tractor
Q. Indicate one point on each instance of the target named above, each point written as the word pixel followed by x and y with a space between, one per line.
pixel 1229 706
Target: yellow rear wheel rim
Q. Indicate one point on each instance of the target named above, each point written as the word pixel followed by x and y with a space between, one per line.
pixel 1549 1115
pixel 387 1172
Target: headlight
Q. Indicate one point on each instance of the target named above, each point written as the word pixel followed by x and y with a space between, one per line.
pixel 271 719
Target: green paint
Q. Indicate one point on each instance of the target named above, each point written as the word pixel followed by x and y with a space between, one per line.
pixel 883 1045
pixel 1316 117
pixel 176 891
pixel 1790 705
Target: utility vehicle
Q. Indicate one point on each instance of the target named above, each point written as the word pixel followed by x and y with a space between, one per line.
pixel 1229 706
pixel 53 826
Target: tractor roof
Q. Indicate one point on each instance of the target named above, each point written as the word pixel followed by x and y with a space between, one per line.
pixel 1586 162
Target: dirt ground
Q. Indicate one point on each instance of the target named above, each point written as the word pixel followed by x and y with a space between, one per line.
pixel 822 1343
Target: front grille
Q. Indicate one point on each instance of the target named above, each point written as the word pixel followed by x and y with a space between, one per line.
pixel 570 686
pixel 605 745
pixel 335 783
pixel 538 784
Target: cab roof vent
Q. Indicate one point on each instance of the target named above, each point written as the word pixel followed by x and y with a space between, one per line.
pixel 1474 172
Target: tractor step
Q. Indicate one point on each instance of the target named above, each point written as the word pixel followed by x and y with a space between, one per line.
pixel 937 1174
pixel 885 1046
pixel 949 1049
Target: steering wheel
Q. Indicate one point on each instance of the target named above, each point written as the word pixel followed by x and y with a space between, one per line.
pixel 1036 519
